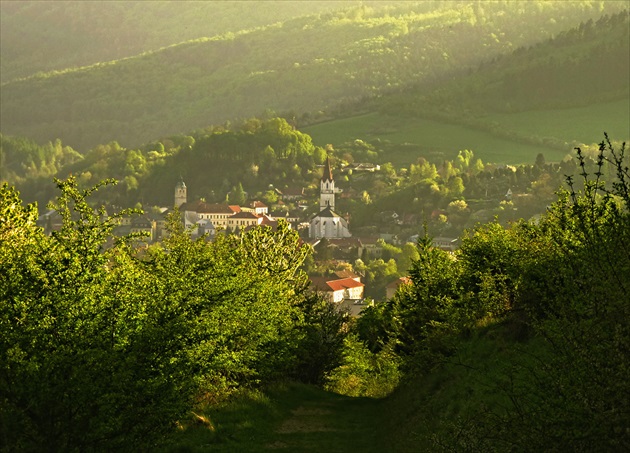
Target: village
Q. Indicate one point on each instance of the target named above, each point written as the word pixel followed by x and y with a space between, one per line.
pixel 326 229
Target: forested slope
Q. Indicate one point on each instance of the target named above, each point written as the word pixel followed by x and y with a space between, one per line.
pixel 518 344
pixel 44 36
pixel 583 65
pixel 303 65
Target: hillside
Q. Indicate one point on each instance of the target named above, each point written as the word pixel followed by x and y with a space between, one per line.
pixel 54 35
pixel 306 67
pixel 545 98
pixel 581 66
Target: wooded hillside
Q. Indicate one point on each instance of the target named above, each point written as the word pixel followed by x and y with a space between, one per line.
pixel 308 65
pixel 54 35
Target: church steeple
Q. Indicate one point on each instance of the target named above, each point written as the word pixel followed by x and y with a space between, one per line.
pixel 180 193
pixel 327 175
pixel 327 188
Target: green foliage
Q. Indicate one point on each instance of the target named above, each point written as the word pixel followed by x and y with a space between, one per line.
pixel 364 373
pixel 87 359
pixel 104 346
pixel 421 311
pixel 124 29
pixel 22 159
pixel 321 349
pixel 556 290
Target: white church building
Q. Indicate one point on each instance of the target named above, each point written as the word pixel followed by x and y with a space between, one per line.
pixel 327 223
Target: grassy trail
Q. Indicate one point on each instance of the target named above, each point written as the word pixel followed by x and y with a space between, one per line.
pixel 329 423
pixel 294 418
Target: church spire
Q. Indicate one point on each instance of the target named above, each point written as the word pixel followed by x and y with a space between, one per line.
pixel 327 188
pixel 327 175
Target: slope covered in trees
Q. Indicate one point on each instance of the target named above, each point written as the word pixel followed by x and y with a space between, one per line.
pixel 525 333
pixel 54 35
pixel 519 342
pixel 580 66
pixel 551 96
pixel 311 64
pixel 254 153
pixel 105 345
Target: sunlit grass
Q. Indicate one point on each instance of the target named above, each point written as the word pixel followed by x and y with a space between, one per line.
pixel 580 124
pixel 438 139
pixel 428 138
pixel 287 418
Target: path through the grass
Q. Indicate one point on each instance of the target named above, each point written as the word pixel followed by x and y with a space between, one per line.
pixel 329 423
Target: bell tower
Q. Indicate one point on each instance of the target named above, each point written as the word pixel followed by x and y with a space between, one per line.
pixel 180 193
pixel 327 188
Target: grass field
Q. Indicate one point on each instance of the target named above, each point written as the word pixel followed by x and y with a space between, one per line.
pixel 434 138
pixel 583 124
pixel 431 138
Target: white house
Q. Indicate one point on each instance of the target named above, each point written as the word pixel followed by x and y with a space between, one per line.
pixel 338 290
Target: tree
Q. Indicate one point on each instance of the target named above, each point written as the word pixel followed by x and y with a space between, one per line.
pixel 87 360
pixel 105 347
pixel 237 195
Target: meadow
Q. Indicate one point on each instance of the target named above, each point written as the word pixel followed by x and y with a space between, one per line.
pixel 428 138
pixel 580 123
pixel 431 138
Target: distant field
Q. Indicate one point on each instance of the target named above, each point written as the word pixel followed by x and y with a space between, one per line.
pixel 434 138
pixel 430 138
pixel 585 124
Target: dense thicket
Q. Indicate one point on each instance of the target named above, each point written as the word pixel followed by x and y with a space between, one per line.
pixel 105 345
pixel 308 64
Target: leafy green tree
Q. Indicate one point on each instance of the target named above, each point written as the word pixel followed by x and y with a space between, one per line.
pixel 565 277
pixel 321 349
pixel 364 373
pixel 89 361
pixel 104 346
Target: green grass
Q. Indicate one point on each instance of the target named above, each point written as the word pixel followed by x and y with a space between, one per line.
pixel 428 138
pixel 289 418
pixel 421 137
pixel 581 124
pixel 299 418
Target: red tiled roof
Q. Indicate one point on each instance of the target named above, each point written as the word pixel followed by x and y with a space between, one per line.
pixel 337 285
pixel 326 284
pixel 214 208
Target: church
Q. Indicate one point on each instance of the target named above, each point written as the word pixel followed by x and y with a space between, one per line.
pixel 327 223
